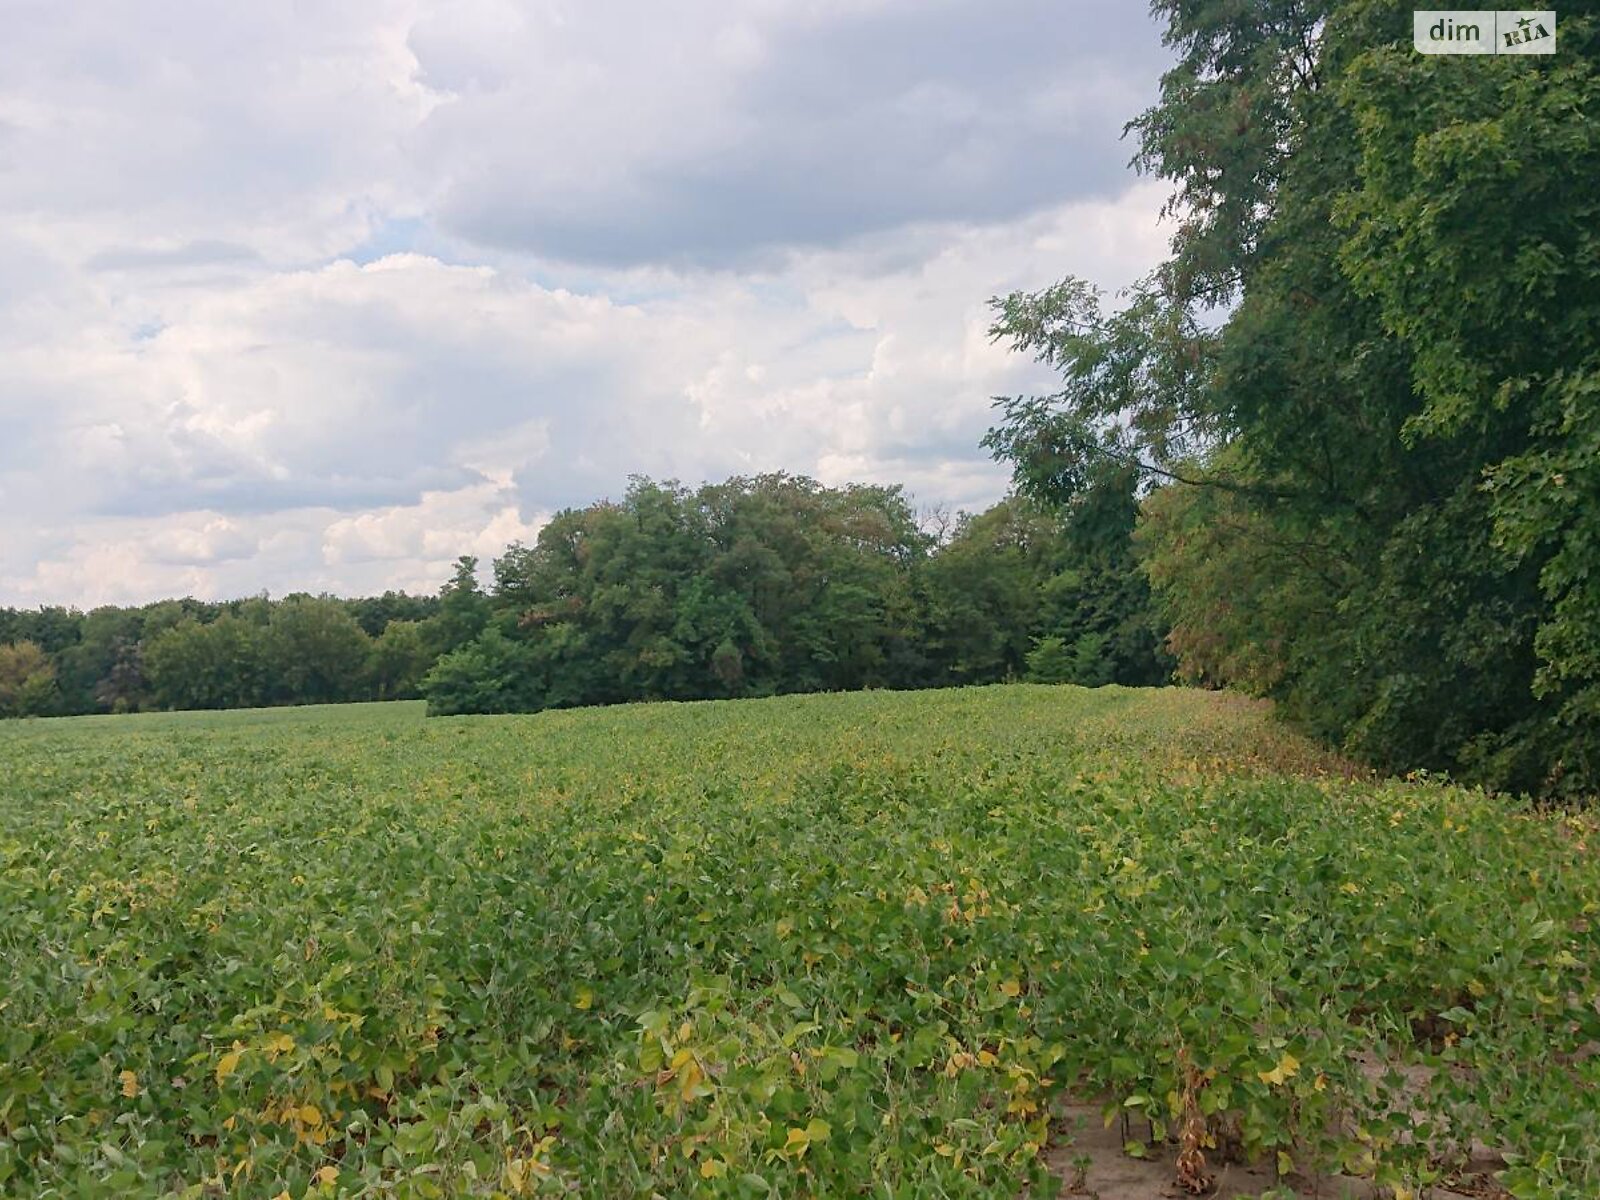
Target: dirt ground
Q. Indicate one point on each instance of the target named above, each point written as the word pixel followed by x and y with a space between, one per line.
pixel 1113 1175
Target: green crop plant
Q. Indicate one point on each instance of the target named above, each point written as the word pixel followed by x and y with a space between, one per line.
pixel 841 945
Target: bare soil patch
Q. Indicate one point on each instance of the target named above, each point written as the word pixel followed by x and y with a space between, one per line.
pixel 1092 1162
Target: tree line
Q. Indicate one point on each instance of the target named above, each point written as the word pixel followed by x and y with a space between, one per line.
pixel 303 649
pixel 750 587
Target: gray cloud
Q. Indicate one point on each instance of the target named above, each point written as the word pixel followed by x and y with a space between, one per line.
pixel 216 490
pixel 946 111
pixel 202 252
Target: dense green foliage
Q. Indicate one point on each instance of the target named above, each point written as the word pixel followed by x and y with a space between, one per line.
pixel 192 654
pixel 828 945
pixel 775 584
pixel 1379 457
pixel 27 679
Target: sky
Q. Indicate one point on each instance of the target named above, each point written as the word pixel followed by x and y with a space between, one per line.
pixel 298 296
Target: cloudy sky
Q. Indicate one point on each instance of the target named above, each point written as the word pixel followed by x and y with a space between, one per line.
pixel 297 295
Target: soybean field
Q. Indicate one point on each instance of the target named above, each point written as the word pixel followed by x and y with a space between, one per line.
pixel 932 944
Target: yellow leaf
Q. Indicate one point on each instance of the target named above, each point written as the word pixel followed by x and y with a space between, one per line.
pixel 279 1043
pixel 310 1114
pixel 711 1168
pixel 327 1175
pixel 130 1084
pixel 227 1065
pixel 689 1080
pixel 1011 987
pixel 1287 1066
pixel 584 999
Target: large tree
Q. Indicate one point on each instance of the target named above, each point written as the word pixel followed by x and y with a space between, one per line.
pixel 316 652
pixel 220 664
pixel 1364 381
